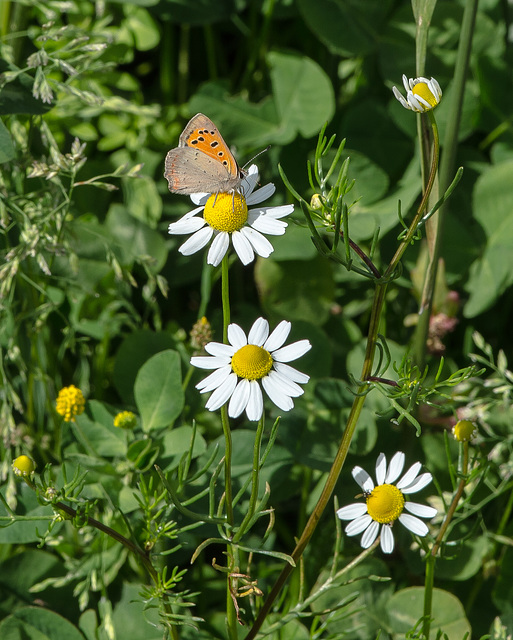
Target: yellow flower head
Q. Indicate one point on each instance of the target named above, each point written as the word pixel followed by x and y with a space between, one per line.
pixel 23 466
pixel 125 420
pixel 422 94
pixel 70 403
pixel 463 430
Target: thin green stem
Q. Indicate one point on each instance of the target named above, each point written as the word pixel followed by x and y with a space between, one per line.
pixel 231 551
pixel 255 480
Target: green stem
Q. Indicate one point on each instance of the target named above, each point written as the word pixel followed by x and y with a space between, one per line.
pixel 231 551
pixel 255 484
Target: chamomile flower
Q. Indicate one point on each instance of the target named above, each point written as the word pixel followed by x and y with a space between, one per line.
pixel 421 94
pixel 225 217
pixel 385 502
pixel 249 363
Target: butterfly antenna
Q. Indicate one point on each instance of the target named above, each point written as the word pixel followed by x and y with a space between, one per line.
pixel 258 154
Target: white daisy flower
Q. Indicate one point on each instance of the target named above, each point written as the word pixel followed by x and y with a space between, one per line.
pixel 421 94
pixel 245 363
pixel 226 216
pixel 385 502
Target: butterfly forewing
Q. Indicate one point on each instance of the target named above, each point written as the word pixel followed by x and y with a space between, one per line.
pixel 202 162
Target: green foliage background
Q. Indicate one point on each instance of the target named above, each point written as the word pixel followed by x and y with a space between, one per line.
pixel 95 293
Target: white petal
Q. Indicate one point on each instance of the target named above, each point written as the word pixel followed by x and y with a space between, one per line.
pixel 243 247
pixel 186 226
pixel 408 84
pixel 381 468
pixel 275 393
pixel 352 511
pixel 219 349
pixel 218 249
pixel 395 467
pixel 255 406
pixel 419 483
pixel 291 373
pixel 196 242
pixel 421 510
pixel 266 224
pixel 410 475
pixel 222 394
pixel 275 212
pixel 292 351
pixel 400 98
pixel 358 525
pixel 214 380
pixel 260 243
pixel 250 181
pixel 363 479
pixel 209 362
pixel 387 539
pixel 414 524
pixel 286 386
pixel 258 332
pixel 278 336
pixel 261 194
pixel 370 535
pixel 239 399
pixel 200 198
pixel 236 336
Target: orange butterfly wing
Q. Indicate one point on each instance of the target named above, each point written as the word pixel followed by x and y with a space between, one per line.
pixel 202 162
pixel 202 134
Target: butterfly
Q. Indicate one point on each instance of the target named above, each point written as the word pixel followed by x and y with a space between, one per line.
pixel 202 162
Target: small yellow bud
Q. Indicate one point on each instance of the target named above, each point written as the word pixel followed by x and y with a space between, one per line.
pixel 316 202
pixel 23 466
pixel 463 430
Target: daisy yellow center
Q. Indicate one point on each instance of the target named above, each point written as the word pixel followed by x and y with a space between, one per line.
pixel 422 90
pixel 251 362
pixel 226 211
pixel 385 503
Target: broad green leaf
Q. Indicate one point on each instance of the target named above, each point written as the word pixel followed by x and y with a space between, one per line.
pixel 296 289
pixel 7 151
pixel 101 434
pixel 405 608
pixel 492 273
pixel 466 561
pixel 37 623
pixel 143 27
pixel 303 93
pixel 158 390
pixel 135 350
pixel 346 27
pixel 295 244
pixel 240 122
